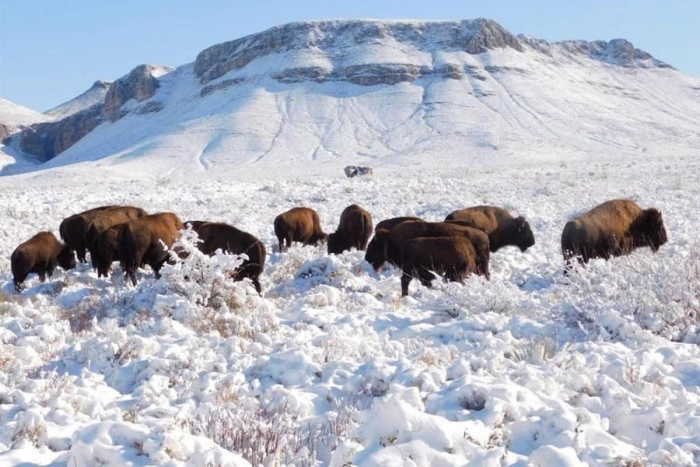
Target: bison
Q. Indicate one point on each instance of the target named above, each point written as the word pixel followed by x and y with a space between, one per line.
pixel 106 249
pixel 389 243
pixel 229 239
pixel 389 224
pixel 452 257
pixel 105 219
pixel 375 249
pixel 73 229
pixel 40 254
pixel 502 228
pixel 299 225
pixel 613 228
pixel 145 240
pixel 354 230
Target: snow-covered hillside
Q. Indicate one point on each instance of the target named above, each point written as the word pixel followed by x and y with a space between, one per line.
pixel 12 118
pixel 308 98
pixel 14 115
pixel 331 365
pixel 95 95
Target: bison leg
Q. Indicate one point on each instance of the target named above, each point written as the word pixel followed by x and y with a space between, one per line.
pixel 405 281
pixel 42 276
pixel 256 284
pixel 18 286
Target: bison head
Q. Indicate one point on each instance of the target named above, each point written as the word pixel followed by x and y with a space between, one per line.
pixel 66 258
pixel 376 250
pixel 523 234
pixel 336 243
pixel 653 230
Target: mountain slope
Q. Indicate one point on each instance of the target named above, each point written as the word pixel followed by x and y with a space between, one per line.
pixel 95 95
pixel 306 98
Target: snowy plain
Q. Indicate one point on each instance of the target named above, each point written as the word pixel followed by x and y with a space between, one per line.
pixel 331 366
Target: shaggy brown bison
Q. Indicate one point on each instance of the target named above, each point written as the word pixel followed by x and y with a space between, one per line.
pixel 502 228
pixel 375 250
pixel 299 225
pixel 105 219
pixel 106 249
pixel 452 257
pixel 216 235
pixel 354 230
pixel 391 242
pixel 40 254
pixel 613 228
pixel 389 224
pixel 73 229
pixel 145 240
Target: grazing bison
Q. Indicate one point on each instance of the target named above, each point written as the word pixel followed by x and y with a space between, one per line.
pixel 105 219
pixel 375 250
pixel 502 228
pixel 106 249
pixel 145 240
pixel 389 224
pixel 613 228
pixel 299 225
pixel 391 242
pixel 40 254
pixel 452 257
pixel 215 235
pixel 354 230
pixel 73 229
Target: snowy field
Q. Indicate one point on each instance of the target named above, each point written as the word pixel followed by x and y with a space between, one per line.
pixel 331 366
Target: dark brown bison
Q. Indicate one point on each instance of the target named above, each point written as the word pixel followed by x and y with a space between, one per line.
pixel 389 224
pixel 106 249
pixel 389 243
pixel 73 229
pixel 145 240
pixel 502 228
pixel 613 228
pixel 375 254
pixel 452 257
pixel 105 219
pixel 216 235
pixel 299 225
pixel 40 254
pixel 354 230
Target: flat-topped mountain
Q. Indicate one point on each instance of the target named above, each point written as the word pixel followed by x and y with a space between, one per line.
pixel 311 96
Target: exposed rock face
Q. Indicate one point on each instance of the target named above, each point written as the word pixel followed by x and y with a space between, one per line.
pixel 5 132
pixel 333 37
pixel 46 140
pixel 615 52
pixel 140 84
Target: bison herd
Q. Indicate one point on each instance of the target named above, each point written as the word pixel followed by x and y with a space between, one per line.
pixel 455 248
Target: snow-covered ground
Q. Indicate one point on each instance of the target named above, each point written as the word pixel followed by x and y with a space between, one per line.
pixel 331 366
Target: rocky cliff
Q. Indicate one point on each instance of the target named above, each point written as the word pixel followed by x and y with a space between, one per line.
pixel 95 95
pixel 46 140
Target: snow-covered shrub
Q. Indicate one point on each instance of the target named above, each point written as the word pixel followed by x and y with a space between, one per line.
pixel 274 435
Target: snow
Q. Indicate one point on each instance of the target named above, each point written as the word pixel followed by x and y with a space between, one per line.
pixel 14 115
pixel 95 95
pixel 331 365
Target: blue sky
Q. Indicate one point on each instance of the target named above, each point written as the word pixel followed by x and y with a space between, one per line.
pixel 51 51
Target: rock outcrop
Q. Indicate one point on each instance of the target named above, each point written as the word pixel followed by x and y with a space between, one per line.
pixel 333 38
pixel 140 84
pixel 47 140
